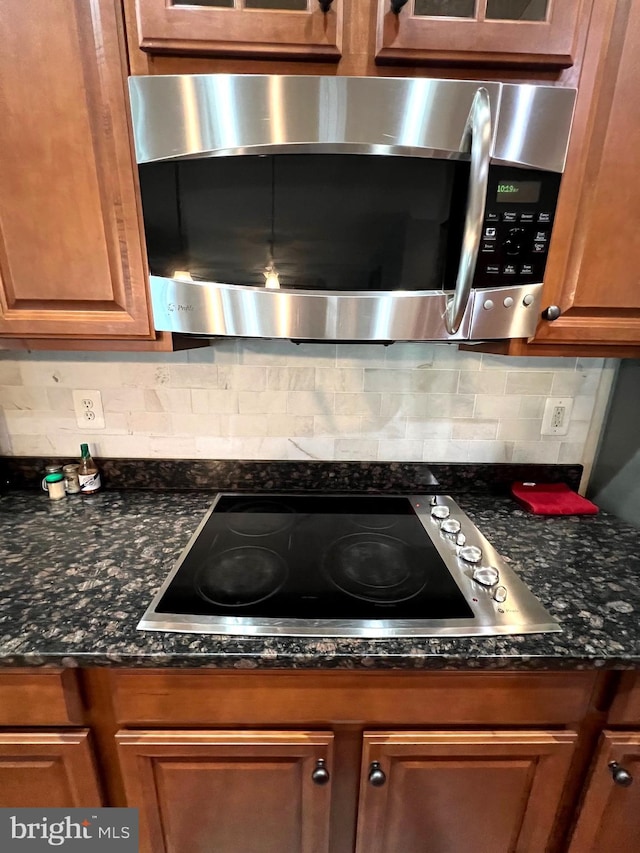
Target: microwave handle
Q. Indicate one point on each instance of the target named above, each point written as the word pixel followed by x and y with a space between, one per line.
pixel 478 129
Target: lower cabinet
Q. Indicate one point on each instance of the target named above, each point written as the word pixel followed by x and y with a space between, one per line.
pixel 609 818
pixel 461 792
pixel 47 769
pixel 270 792
pixel 229 791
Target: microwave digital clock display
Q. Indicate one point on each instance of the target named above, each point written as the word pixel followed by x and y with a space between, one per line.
pixel 519 192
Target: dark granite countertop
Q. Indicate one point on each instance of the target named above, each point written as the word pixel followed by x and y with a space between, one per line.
pixel 76 575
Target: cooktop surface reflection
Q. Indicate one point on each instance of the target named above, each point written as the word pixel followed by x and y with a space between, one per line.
pixel 340 565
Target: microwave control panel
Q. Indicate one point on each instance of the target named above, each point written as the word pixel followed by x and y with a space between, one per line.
pixel 517 226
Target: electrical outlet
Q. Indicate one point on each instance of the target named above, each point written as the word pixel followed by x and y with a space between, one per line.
pixel 88 408
pixel 557 415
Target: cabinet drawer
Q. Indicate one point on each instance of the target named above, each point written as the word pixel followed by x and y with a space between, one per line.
pixel 39 698
pixel 625 709
pixel 305 698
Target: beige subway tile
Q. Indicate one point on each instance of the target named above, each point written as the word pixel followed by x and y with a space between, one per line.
pixel 584 383
pixel 519 430
pixel 191 424
pixel 578 431
pixel 291 378
pixel 496 407
pixel 358 404
pixel 194 376
pixel 123 400
pixel 19 397
pixel 172 447
pixel 395 427
pixel 339 379
pixel 428 405
pixel 69 374
pixel 266 353
pixel 336 425
pixel 382 379
pixel 289 425
pixel 238 377
pixel 164 399
pixel 204 402
pixel 428 429
pixel 435 381
pixel 121 447
pixel 355 449
pixel 310 403
pixel 441 450
pixel 240 447
pixel 475 430
pixel 502 362
pixel 262 402
pixel 10 373
pixel 145 375
pixel 316 447
pixel 361 355
pixel 150 423
pixel 409 355
pixel 490 451
pixel 535 383
pixel 571 452
pixel 449 356
pixel 60 399
pixel 536 451
pixel 245 425
pixel 400 450
pixel 582 408
pixel 531 407
pixel 28 422
pixel 31 445
pixel 482 382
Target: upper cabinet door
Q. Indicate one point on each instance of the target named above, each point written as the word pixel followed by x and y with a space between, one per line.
pixel 268 28
pixel 593 273
pixel 506 32
pixel 468 792
pixel 71 256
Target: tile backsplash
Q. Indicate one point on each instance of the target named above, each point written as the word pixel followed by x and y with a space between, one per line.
pixel 279 400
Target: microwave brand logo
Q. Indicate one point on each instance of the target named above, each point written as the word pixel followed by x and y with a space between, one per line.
pixel 109 829
pixel 178 307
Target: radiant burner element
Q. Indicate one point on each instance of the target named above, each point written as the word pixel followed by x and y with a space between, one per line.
pixel 259 518
pixel 241 576
pixel 373 567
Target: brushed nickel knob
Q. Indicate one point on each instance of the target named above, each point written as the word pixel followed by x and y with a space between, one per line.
pixel 320 775
pixel 377 776
pixel 551 313
pixel 620 776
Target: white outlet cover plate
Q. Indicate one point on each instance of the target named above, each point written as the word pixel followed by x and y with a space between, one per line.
pixel 88 408
pixel 547 420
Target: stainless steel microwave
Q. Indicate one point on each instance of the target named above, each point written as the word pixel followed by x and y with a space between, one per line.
pixel 348 208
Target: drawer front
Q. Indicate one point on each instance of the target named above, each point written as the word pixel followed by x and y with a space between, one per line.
pixel 40 698
pixel 299 698
pixel 625 709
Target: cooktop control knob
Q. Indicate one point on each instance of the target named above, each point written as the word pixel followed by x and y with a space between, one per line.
pixel 500 594
pixel 450 525
pixel 440 512
pixel 470 554
pixel 486 575
pixel 461 539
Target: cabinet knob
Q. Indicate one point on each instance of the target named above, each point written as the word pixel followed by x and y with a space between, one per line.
pixel 325 5
pixel 320 775
pixel 377 776
pixel 620 776
pixel 551 313
pixel 396 5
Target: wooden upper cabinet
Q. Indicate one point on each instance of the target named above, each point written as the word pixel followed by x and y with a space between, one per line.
pixel 71 252
pixel 229 791
pixel 609 817
pixel 468 792
pixel 533 33
pixel 593 273
pixel 299 29
pixel 47 769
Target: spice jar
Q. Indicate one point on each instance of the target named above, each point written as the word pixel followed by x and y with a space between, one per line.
pixel 55 486
pixel 71 478
pixel 49 469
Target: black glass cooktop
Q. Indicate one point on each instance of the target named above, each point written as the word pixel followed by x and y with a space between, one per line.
pixel 314 557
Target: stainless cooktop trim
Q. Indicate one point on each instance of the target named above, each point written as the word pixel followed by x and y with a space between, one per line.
pixel 521 613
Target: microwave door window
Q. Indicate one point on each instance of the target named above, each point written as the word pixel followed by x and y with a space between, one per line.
pixel 325 222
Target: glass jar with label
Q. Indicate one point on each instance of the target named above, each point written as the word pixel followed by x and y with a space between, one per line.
pixel 72 480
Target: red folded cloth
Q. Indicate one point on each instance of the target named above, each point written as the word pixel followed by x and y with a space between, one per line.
pixel 551 499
